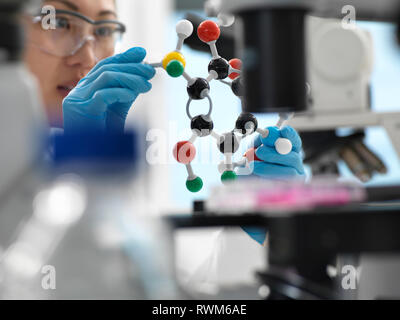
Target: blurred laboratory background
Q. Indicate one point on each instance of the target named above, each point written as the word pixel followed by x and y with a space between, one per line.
pixel 159 263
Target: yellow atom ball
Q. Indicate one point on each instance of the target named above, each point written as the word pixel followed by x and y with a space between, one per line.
pixel 173 56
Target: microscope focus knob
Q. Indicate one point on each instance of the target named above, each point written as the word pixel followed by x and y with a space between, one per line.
pixel 340 54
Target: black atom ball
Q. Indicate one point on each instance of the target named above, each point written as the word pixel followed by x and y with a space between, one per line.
pixel 228 143
pixel 243 122
pixel 197 89
pixel 220 66
pixel 237 87
pixel 203 125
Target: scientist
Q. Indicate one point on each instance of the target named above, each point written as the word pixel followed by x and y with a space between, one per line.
pixel 85 86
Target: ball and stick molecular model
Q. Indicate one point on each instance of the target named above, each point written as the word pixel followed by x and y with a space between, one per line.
pixel 202 125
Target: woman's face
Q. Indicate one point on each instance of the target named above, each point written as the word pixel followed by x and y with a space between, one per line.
pixel 58 75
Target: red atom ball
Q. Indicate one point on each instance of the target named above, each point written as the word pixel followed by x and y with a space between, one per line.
pixel 235 64
pixel 184 152
pixel 251 155
pixel 208 31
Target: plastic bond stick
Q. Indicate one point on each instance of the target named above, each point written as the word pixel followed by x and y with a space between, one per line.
pixel 228 161
pixel 156 65
pixel 180 43
pixel 263 132
pixel 212 76
pixel 229 73
pixel 188 78
pixel 214 50
pixel 191 175
pixel 215 136
pixel 193 138
pixel 284 117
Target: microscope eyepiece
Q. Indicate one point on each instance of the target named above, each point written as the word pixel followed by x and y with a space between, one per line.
pixel 274 62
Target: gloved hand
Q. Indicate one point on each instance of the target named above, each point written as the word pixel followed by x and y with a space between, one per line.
pixel 275 165
pixel 101 100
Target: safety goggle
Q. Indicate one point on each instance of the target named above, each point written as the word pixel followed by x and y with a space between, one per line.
pixel 65 35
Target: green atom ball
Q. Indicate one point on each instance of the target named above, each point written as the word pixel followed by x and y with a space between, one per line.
pixel 175 68
pixel 194 185
pixel 228 176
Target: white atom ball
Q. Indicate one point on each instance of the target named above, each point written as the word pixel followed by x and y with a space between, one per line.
pixel 283 146
pixel 226 20
pixel 184 27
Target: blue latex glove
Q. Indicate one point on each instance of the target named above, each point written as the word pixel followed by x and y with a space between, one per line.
pixel 275 165
pixel 101 101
